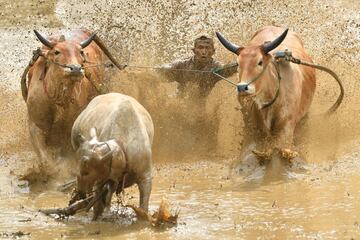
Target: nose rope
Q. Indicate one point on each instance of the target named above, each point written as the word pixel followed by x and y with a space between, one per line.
pixel 237 85
pixel 268 104
pixel 60 64
pixel 287 56
pixel 82 66
pixel 225 79
pixel 176 69
pixel 258 76
pixel 244 87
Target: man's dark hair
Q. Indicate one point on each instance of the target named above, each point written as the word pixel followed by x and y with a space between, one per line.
pixel 204 38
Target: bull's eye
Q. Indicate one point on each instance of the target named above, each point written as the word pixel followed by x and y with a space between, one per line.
pixel 260 63
pixel 81 52
pixel 57 52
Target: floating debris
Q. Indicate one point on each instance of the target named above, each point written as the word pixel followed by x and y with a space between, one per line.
pixel 160 219
pixel 15 235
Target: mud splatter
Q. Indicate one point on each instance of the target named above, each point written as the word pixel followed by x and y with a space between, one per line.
pixel 320 203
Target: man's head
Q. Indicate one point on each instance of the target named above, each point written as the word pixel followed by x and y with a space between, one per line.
pixel 203 49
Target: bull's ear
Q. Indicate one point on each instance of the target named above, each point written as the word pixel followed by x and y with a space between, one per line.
pixel 62 38
pixel 93 133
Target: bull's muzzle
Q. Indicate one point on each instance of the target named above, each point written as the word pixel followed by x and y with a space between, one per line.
pixel 75 70
pixel 244 89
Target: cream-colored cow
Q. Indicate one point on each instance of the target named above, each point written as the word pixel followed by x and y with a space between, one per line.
pixel 113 138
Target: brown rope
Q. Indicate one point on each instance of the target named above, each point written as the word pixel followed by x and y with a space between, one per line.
pixel 336 105
pixel 24 88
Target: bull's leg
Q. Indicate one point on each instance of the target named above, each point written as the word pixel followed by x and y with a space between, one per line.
pixel 84 185
pixel 99 205
pixel 285 142
pixel 249 165
pixel 111 188
pixel 288 153
pixel 263 156
pixel 38 140
pixel 145 185
pixel 261 149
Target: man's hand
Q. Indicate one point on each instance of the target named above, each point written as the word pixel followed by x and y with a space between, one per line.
pixel 217 70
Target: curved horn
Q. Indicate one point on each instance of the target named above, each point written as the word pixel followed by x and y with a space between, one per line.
pixel 86 42
pixel 43 40
pixel 272 45
pixel 228 45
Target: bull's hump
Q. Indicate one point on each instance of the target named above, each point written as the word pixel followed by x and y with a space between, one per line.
pixel 77 35
pixel 267 34
pixel 113 98
pixel 112 102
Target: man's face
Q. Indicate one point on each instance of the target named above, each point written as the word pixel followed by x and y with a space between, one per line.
pixel 203 51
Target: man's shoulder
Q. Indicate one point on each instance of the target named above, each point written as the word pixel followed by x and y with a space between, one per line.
pixel 179 63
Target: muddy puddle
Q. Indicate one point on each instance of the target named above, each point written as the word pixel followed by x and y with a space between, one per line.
pixel 322 202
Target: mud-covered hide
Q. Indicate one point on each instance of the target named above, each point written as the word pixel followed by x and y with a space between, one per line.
pixel 113 138
pixel 60 83
pixel 274 95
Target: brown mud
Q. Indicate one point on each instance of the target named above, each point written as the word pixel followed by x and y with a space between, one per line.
pixel 192 172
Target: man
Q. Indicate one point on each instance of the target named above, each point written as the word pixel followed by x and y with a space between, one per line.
pixel 194 77
pixel 195 82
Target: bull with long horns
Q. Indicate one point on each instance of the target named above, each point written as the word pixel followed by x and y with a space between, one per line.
pixel 66 74
pixel 274 95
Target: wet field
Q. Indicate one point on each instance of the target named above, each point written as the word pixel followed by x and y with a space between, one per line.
pixel 322 202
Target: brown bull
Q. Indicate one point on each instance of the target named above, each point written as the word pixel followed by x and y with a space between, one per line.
pixel 274 95
pixel 67 73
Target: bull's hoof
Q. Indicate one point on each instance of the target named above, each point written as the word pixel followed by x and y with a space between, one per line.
pixel 98 208
pixel 98 211
pixel 95 217
pixel 263 155
pixel 288 153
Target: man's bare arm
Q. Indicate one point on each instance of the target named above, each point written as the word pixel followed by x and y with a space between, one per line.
pixel 169 71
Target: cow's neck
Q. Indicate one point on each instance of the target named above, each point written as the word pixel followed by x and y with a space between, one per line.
pixel 59 89
pixel 257 121
pixel 64 111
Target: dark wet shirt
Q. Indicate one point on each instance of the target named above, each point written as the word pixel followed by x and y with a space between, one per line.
pixel 204 81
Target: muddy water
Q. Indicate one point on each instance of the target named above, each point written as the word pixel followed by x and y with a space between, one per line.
pixel 321 203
